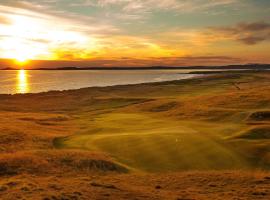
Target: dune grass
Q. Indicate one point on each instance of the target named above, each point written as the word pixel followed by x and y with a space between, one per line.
pixel 204 123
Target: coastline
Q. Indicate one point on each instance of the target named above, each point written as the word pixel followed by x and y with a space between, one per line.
pixel 197 75
pixel 22 80
pixel 25 81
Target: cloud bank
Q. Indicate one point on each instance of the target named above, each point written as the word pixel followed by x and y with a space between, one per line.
pixel 135 32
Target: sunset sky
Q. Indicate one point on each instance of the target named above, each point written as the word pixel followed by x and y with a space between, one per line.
pixel 135 32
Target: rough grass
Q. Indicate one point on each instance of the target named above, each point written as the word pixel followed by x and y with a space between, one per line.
pixel 255 133
pixel 225 185
pixel 55 161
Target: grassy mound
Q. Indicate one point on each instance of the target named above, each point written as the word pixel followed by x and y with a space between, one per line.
pixel 54 161
pixel 257 133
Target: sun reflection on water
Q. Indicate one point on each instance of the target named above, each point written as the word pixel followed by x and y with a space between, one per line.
pixel 22 85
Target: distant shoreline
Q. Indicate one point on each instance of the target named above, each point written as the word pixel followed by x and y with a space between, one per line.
pixel 123 79
pixel 197 75
pixel 193 73
pixel 226 67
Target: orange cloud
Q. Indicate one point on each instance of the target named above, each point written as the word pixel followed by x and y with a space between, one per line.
pixel 5 20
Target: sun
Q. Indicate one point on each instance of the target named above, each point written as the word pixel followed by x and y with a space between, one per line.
pixel 21 60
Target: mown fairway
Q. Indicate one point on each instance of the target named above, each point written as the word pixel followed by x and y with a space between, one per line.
pixel 151 144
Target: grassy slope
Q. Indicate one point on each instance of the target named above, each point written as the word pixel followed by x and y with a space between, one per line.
pixel 199 124
pixel 181 125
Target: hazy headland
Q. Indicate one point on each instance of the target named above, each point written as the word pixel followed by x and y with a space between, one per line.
pixel 200 138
